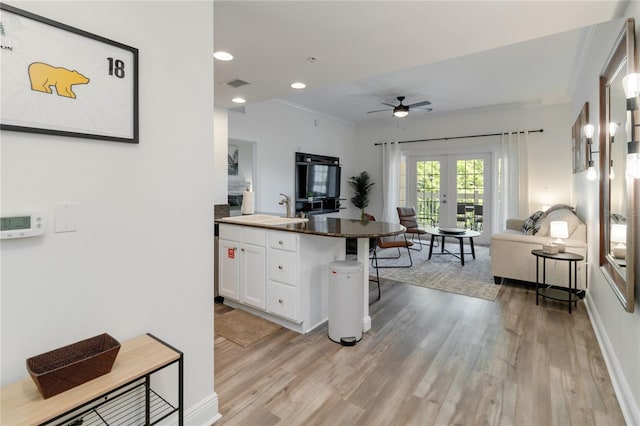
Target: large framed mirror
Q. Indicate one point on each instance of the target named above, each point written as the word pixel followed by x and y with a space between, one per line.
pixel 618 218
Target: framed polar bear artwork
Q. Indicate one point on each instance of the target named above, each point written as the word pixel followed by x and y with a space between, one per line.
pixel 61 80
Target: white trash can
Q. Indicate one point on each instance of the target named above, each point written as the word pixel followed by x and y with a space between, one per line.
pixel 345 302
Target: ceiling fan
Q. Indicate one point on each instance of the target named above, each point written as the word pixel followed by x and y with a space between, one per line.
pixel 402 110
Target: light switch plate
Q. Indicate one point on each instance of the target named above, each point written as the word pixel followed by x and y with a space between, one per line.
pixel 66 217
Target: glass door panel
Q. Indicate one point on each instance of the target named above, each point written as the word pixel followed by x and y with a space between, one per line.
pixel 451 190
pixel 428 192
pixel 470 193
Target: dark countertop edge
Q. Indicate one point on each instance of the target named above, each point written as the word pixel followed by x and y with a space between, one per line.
pixel 297 227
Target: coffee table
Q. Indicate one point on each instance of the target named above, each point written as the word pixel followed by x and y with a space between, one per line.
pixel 457 233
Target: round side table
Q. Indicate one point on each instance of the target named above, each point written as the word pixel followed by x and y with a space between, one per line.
pixel 549 292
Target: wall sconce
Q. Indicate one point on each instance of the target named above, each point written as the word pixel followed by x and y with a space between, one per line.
pixel 613 128
pixel 631 85
pixel 589 131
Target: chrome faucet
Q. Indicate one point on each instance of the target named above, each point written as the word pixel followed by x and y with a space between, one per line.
pixel 286 200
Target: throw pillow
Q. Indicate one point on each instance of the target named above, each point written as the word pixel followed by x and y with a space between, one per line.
pixel 529 226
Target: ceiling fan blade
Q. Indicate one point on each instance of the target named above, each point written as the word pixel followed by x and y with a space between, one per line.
pixel 417 104
pixel 379 110
pixel 422 109
pixel 384 103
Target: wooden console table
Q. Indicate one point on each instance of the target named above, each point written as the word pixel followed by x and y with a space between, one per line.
pixel 111 396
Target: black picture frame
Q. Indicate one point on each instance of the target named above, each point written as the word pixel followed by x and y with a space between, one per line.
pixel 64 81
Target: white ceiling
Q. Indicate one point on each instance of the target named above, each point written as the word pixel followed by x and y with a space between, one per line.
pixel 457 54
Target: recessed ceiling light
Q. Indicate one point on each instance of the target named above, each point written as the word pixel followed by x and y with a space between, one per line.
pixel 238 100
pixel 222 55
pixel 298 85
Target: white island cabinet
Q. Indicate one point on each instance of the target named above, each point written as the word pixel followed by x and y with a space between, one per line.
pixel 242 264
pixel 281 276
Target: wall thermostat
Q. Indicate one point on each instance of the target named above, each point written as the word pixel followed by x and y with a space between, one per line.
pixel 21 225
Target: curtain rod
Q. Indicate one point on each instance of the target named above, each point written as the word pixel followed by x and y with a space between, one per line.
pixel 461 137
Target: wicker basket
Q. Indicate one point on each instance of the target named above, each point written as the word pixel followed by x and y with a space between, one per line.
pixel 64 368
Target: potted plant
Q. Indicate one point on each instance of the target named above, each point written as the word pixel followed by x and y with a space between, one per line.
pixel 361 186
pixel 310 197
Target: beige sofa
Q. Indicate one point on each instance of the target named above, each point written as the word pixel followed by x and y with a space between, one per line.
pixel 511 250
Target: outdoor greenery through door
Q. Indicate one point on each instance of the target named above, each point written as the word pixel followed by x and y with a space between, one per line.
pixel 449 190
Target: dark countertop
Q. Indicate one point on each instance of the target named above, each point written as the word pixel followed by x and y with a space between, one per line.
pixel 334 227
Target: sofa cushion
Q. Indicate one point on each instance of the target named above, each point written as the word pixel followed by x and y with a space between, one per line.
pixel 532 223
pixel 565 215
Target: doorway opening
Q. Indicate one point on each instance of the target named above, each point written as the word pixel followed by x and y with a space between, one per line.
pixel 242 171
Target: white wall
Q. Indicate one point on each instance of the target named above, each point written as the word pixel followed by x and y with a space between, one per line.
pixel 280 130
pixel 549 152
pixel 142 258
pixel 617 330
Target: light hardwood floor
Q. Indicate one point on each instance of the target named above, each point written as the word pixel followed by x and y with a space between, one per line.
pixel 430 358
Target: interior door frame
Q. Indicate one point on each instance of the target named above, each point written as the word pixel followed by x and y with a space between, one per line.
pixel 449 170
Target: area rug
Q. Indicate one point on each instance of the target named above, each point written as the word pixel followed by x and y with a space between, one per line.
pixel 243 328
pixel 444 272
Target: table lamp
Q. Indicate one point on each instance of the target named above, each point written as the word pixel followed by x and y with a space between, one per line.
pixel 619 235
pixel 559 229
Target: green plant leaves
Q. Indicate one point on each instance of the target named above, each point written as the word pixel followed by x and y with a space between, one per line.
pixel 361 186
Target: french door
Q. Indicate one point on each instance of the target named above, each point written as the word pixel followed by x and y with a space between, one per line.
pixel 452 190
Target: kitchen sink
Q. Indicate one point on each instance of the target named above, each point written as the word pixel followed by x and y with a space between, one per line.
pixel 264 219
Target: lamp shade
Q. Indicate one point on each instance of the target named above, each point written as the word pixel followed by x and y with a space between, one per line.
pixel 558 229
pixel 631 85
pixel 589 130
pixel 618 233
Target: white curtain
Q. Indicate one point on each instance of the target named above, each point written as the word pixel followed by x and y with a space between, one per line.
pixel 513 179
pixel 390 181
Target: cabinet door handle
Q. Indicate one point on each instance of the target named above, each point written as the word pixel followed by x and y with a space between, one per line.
pixel 280 267
pixel 280 301
pixel 280 242
pixel 242 250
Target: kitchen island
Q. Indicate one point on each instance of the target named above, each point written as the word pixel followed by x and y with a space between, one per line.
pixel 276 267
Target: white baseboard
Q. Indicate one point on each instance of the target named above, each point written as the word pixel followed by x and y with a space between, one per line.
pixel 628 405
pixel 366 323
pixel 203 413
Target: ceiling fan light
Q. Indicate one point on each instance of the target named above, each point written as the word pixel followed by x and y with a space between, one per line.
pixel 401 110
